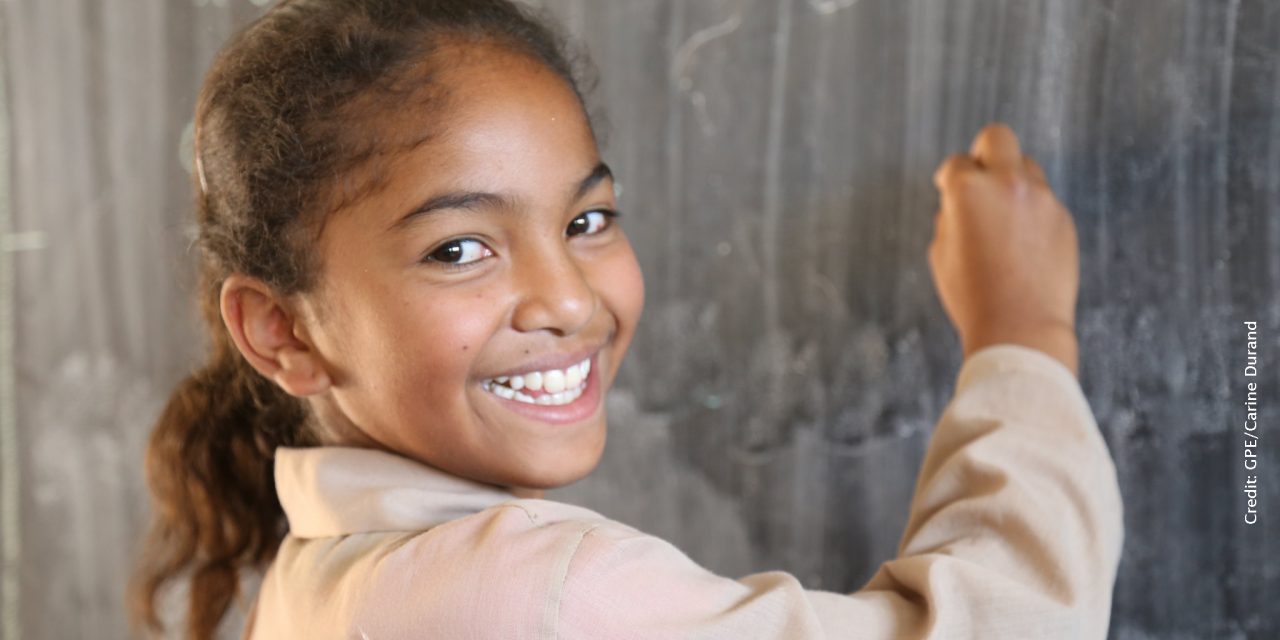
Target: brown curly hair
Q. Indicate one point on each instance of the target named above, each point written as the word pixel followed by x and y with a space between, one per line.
pixel 284 118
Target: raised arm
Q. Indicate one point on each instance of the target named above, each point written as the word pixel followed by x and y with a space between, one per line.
pixel 1014 532
pixel 1016 525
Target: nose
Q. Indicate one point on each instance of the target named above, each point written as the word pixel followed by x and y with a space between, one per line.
pixel 554 293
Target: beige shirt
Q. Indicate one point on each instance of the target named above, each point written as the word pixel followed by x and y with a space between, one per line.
pixel 1015 531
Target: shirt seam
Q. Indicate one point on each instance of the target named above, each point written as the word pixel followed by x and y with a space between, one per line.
pixel 551 614
pixel 528 513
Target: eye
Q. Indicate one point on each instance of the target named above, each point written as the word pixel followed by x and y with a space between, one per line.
pixel 592 222
pixel 458 253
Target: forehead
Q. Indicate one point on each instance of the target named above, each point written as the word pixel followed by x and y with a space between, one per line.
pixel 509 104
pixel 485 117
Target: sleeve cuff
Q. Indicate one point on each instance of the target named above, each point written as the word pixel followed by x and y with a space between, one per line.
pixel 1008 356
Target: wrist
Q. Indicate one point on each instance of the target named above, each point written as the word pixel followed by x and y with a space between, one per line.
pixel 1055 338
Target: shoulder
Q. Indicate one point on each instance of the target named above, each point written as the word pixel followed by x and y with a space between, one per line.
pixel 506 564
pixel 531 529
pixel 623 583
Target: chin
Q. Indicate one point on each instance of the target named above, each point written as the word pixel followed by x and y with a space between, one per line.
pixel 560 471
pixel 562 476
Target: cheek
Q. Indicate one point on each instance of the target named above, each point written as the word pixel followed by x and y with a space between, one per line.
pixel 621 284
pixel 413 346
pixel 437 337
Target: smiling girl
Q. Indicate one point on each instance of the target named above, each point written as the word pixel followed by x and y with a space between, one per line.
pixel 418 293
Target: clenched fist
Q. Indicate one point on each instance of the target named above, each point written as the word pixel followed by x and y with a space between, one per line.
pixel 1004 255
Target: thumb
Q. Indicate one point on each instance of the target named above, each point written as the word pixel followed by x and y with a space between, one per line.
pixel 996 147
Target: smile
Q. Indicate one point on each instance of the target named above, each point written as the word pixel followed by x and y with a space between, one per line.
pixel 552 387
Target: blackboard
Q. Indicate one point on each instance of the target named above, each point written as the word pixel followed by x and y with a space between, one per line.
pixel 775 160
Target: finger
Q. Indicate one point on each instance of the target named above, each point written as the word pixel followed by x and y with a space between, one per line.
pixel 953 167
pixel 1034 169
pixel 996 147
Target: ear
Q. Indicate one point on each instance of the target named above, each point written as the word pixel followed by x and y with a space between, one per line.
pixel 262 327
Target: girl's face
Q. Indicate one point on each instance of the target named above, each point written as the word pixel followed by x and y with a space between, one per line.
pixel 490 254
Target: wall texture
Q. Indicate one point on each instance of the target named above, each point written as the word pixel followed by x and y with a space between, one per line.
pixel 775 158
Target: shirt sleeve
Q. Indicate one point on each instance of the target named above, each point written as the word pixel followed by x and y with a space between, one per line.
pixel 1014 531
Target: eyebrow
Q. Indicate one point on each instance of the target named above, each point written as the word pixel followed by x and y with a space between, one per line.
pixel 473 200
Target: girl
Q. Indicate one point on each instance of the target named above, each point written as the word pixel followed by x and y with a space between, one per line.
pixel 418 294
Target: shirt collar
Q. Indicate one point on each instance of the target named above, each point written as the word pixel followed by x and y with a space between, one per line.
pixel 334 491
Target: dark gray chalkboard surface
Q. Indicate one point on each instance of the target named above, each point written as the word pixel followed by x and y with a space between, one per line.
pixel 775 159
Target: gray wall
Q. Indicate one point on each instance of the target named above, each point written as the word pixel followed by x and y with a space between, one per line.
pixel 775 158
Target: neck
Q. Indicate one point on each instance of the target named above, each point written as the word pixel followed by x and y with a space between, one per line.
pixel 522 492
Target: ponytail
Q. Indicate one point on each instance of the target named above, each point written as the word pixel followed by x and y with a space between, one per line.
pixel 209 465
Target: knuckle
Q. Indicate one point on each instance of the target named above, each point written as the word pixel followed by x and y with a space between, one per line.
pixel 1017 184
pixel 965 180
pixel 1010 178
pixel 951 167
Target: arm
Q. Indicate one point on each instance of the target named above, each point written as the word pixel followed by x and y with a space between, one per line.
pixel 1015 531
pixel 1016 524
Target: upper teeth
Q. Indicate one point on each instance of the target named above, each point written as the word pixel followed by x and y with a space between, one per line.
pixel 553 381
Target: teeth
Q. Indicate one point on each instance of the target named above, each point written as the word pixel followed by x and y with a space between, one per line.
pixel 554 381
pixel 563 397
pixel 560 386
